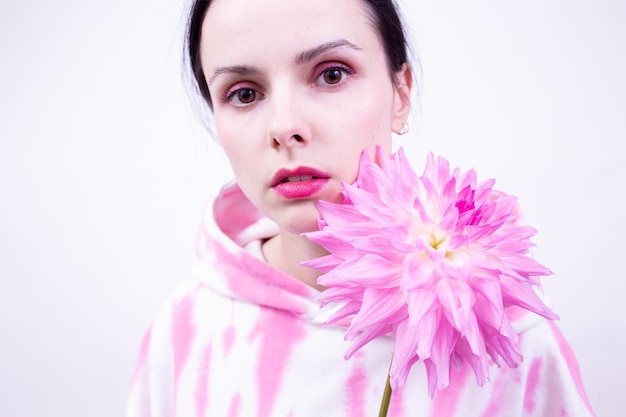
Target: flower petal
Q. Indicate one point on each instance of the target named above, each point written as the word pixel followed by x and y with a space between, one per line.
pixel 433 260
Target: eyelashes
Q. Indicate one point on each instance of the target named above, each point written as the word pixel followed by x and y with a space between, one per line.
pixel 334 74
pixel 241 96
pixel 246 93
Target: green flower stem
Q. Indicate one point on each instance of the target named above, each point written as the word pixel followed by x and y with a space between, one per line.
pixel 384 405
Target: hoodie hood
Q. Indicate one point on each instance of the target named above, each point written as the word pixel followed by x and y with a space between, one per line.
pixel 228 245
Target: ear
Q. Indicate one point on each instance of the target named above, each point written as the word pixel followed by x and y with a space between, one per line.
pixel 402 98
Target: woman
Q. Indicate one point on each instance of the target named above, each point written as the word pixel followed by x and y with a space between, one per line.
pixel 298 90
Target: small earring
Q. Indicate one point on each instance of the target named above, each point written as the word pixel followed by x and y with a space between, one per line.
pixel 405 129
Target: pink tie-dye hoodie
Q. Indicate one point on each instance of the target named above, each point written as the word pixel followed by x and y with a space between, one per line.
pixel 245 340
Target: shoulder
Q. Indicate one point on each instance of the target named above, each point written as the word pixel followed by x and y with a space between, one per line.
pixel 552 377
pixel 176 338
pixel 193 310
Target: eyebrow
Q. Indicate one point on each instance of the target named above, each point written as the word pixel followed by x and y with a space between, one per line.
pixel 244 70
pixel 301 58
pixel 312 53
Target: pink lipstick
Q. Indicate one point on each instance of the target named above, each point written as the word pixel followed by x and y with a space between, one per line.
pixel 302 182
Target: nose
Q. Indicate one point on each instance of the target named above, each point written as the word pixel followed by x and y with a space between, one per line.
pixel 288 126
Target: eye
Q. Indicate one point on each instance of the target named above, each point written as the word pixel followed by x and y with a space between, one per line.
pixel 241 97
pixel 333 75
pixel 246 95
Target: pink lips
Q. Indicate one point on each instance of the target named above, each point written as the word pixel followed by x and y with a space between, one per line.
pixel 303 182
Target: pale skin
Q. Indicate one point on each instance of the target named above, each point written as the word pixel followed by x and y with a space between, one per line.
pixel 299 85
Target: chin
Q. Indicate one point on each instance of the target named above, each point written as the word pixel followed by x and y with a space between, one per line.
pixel 300 220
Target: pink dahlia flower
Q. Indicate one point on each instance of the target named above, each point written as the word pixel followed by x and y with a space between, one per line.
pixel 432 260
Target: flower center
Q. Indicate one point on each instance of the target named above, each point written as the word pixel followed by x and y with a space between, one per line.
pixel 436 244
pixel 437 241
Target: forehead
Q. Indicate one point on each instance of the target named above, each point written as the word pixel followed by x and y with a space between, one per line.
pixel 263 26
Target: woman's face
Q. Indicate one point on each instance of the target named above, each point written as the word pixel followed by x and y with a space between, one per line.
pixel 299 89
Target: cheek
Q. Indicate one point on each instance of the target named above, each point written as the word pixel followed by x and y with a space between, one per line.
pixel 240 161
pixel 372 112
pixel 233 140
pixel 243 166
pixel 370 125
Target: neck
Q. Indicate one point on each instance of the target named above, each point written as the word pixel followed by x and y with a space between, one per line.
pixel 285 250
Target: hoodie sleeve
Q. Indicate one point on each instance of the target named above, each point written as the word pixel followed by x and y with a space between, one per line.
pixel 162 353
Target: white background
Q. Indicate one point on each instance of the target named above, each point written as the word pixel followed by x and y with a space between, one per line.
pixel 105 167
